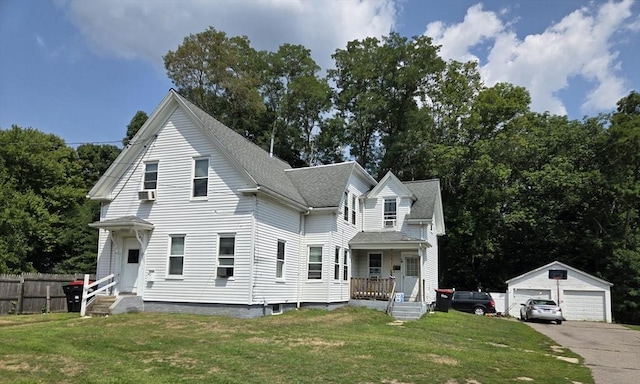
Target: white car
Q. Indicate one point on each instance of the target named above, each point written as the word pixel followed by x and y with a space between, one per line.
pixel 541 309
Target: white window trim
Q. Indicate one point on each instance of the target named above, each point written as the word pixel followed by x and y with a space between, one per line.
pixel 169 276
pixel 144 175
pixel 384 220
pixel 322 275
pixel 337 265
pixel 346 215
pixel 218 265
pixel 345 264
pixel 284 260
pixel 193 177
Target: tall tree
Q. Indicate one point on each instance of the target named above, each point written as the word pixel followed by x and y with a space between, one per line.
pixel 379 83
pixel 221 75
pixel 134 126
pixel 622 167
pixel 41 186
pixel 295 99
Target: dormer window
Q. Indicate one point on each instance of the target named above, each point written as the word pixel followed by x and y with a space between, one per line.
pixel 346 206
pixel 390 213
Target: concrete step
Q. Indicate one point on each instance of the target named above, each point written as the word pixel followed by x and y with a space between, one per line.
pixel 100 307
pixel 407 310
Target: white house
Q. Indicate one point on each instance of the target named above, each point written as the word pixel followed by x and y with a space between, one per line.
pixel 580 295
pixel 195 218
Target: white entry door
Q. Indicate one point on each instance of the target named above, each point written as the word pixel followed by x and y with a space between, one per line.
pixel 130 266
pixel 410 276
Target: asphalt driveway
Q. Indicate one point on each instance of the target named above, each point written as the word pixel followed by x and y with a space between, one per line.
pixel 611 351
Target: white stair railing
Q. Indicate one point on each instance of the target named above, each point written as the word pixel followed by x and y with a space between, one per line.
pixel 88 297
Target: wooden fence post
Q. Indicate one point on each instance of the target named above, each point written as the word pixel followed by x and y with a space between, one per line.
pixel 21 297
pixel 48 299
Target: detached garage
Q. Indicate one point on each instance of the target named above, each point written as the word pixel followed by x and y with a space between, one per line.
pixel 580 295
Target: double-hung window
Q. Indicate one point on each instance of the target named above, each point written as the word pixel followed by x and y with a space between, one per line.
pixel 353 209
pixel 226 255
pixel 151 176
pixel 336 264
pixel 375 264
pixel 345 268
pixel 200 177
pixel 176 255
pixel 280 260
pixel 390 213
pixel 346 205
pixel 315 263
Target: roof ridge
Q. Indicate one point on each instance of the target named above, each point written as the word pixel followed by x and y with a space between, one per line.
pixel 229 128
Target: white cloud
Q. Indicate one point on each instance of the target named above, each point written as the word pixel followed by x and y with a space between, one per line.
pixel 579 45
pixel 148 29
pixel 39 40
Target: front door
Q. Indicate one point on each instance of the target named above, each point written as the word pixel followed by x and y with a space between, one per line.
pixel 410 276
pixel 130 266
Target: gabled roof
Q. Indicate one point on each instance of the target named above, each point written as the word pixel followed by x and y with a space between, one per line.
pixel 428 192
pixel 265 172
pixel 390 178
pixel 323 186
pixel 561 265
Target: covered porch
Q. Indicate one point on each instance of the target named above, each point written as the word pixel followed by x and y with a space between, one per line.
pixel 387 264
pixel 123 257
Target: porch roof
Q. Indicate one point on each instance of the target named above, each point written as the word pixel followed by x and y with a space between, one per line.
pixel 386 240
pixel 124 222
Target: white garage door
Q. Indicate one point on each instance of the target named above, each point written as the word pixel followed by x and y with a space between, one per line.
pixel 584 305
pixel 520 296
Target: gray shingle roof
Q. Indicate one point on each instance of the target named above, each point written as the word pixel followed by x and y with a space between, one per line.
pixel 268 172
pixel 322 186
pixel 381 237
pixel 123 222
pixel 427 192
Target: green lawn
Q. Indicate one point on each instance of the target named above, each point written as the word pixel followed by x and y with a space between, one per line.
pixel 350 345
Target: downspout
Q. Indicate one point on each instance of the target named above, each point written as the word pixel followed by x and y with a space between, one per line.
pixel 301 254
pixel 253 249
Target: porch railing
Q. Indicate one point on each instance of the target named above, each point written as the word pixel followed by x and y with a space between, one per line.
pixel 88 297
pixel 364 288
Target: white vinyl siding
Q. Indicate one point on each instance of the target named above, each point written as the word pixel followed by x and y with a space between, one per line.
pixel 178 143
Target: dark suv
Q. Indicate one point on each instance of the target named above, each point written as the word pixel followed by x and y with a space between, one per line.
pixel 473 302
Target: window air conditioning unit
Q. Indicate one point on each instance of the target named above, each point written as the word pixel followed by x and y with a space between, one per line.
pixel 225 271
pixel 389 223
pixel 147 195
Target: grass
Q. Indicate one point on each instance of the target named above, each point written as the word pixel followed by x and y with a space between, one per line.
pixel 350 345
pixel 634 327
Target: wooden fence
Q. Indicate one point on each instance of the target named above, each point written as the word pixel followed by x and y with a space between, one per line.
pixel 27 293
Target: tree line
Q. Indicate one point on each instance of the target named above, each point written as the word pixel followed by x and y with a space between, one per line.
pixel 520 188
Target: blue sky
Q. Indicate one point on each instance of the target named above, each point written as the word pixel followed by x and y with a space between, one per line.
pixel 81 69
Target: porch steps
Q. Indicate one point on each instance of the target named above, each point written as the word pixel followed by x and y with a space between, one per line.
pixel 407 310
pixel 101 305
